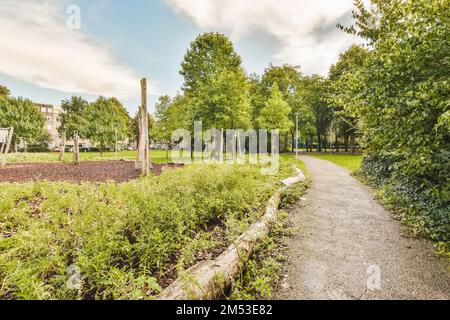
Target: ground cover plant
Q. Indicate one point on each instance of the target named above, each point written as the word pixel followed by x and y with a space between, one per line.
pixel 123 241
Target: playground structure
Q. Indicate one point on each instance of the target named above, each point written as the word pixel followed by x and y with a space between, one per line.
pixel 5 144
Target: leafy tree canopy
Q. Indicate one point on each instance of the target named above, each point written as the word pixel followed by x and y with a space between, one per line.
pixel 71 117
pixel 4 91
pixel 104 119
pixel 224 102
pixel 209 55
pixel 24 116
pixel 403 100
pixel 275 113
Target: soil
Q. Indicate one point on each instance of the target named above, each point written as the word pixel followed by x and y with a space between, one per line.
pixel 88 171
pixel 346 242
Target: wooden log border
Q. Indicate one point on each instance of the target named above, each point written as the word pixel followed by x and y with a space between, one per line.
pixel 210 279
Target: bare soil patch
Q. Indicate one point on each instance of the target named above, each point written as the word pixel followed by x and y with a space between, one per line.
pixel 88 171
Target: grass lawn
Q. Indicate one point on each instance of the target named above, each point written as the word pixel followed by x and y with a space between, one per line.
pixel 124 241
pixel 350 162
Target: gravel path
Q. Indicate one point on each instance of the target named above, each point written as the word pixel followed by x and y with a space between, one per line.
pixel 348 247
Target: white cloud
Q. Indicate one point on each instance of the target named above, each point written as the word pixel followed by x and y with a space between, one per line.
pixel 37 46
pixel 305 29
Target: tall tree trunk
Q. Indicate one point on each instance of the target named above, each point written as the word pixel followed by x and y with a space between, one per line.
pixel 62 148
pixel 352 143
pixel 319 147
pixel 346 141
pixel 286 142
pixel 293 141
pixel 76 150
pixel 337 143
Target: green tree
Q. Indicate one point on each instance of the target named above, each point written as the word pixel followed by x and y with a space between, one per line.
pixel 403 91
pixel 289 81
pixel 171 114
pixel 4 91
pixel 314 97
pixel 162 120
pixel 224 102
pixel 275 113
pixel 24 116
pixel 72 116
pixel 104 120
pixel 209 54
pixel 71 123
pixel 215 83
pixel 342 93
pixel 42 142
pixel 135 128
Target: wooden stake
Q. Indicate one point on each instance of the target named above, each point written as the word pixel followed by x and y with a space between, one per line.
pixel 76 150
pixel 62 147
pixel 144 143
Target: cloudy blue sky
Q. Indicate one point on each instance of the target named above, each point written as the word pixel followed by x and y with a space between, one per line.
pixel 121 41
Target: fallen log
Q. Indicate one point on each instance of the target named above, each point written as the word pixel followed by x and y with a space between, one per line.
pixel 210 279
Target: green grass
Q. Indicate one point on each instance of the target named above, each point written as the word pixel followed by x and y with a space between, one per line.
pixel 123 239
pixel 350 162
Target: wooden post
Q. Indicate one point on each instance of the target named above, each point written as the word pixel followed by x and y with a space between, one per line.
pixel 76 150
pixel 62 147
pixel 144 144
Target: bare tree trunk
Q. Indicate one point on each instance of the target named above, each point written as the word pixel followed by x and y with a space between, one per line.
pixel 293 141
pixel 319 147
pixel 62 148
pixel 286 142
pixel 352 143
pixel 76 150
pixel 337 143
pixel 346 141
pixel 144 142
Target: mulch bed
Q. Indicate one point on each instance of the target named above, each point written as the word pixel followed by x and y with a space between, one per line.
pixel 88 171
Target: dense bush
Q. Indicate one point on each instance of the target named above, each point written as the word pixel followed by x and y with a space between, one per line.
pixel 122 238
pixel 403 100
pixel 407 200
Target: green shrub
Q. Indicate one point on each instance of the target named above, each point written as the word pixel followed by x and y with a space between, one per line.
pixel 401 98
pixel 121 238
